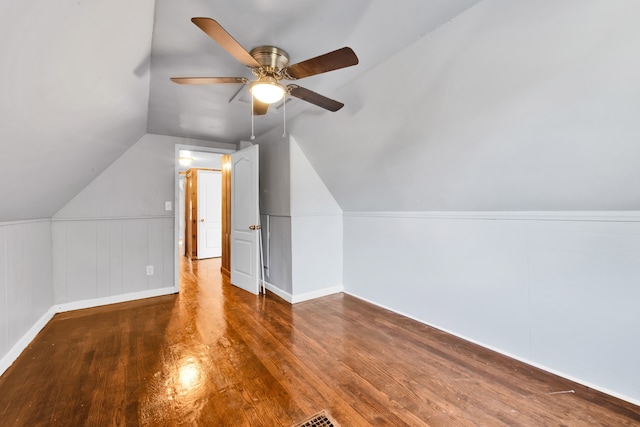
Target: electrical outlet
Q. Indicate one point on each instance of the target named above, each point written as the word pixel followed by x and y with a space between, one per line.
pixel 149 270
pixel 168 206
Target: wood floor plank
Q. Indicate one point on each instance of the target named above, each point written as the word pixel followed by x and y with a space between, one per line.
pixel 215 355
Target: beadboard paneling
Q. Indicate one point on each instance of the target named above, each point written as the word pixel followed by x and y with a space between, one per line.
pixel 108 257
pixel 25 278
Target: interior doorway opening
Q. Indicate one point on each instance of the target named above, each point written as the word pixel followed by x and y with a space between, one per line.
pixel 201 210
pixel 198 226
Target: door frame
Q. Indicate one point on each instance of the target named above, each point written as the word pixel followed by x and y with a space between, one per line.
pixel 176 200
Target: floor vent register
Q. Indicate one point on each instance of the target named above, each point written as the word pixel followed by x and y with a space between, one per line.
pixel 321 419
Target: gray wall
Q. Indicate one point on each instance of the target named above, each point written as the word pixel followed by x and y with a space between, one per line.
pixel 26 289
pixel 106 236
pixel 277 251
pixel 275 181
pixel 275 174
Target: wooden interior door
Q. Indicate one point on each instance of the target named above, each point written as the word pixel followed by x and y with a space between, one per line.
pixel 191 214
pixel 225 268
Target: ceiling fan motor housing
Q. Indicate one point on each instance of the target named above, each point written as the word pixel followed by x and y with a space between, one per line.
pixel 272 58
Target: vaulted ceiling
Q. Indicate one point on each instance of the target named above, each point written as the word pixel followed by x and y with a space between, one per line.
pixel 82 80
pixel 455 105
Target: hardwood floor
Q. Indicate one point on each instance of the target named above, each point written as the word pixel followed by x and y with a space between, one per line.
pixel 217 356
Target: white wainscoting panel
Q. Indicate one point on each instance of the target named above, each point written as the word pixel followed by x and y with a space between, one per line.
pixel 316 249
pixel 107 257
pixel 26 292
pixel 4 292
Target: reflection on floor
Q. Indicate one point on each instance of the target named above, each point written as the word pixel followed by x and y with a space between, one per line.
pixel 215 355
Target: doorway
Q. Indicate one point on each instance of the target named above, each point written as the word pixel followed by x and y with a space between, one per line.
pixel 194 238
pixel 202 207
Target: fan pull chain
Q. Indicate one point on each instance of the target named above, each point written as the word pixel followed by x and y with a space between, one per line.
pixel 253 136
pixel 284 114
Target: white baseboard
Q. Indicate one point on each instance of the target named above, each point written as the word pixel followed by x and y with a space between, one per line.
pixel 497 350
pixel 317 294
pixel 97 302
pixel 293 299
pixel 279 292
pixel 17 349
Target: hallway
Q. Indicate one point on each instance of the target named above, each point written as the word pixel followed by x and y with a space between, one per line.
pixel 217 356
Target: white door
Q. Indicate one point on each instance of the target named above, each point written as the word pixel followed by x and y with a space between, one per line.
pixel 245 218
pixel 209 214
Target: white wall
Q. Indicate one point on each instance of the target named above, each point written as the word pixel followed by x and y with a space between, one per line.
pixel 26 289
pixel 316 250
pixel 559 290
pixel 107 235
pixel 316 231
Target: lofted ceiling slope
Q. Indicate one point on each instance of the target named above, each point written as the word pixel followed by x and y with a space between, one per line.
pixel 455 105
pixel 511 106
pixel 83 80
pixel 74 85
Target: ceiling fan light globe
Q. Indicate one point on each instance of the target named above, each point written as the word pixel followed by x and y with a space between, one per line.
pixel 267 92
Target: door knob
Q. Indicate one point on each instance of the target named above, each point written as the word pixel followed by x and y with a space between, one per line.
pixel 202 220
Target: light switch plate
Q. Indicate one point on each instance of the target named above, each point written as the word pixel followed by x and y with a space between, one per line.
pixel 168 206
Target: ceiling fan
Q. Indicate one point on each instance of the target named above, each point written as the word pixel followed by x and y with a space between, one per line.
pixel 270 65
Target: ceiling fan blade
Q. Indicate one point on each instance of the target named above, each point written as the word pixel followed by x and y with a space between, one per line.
pixel 208 80
pixel 259 108
pixel 335 60
pixel 314 98
pixel 224 39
